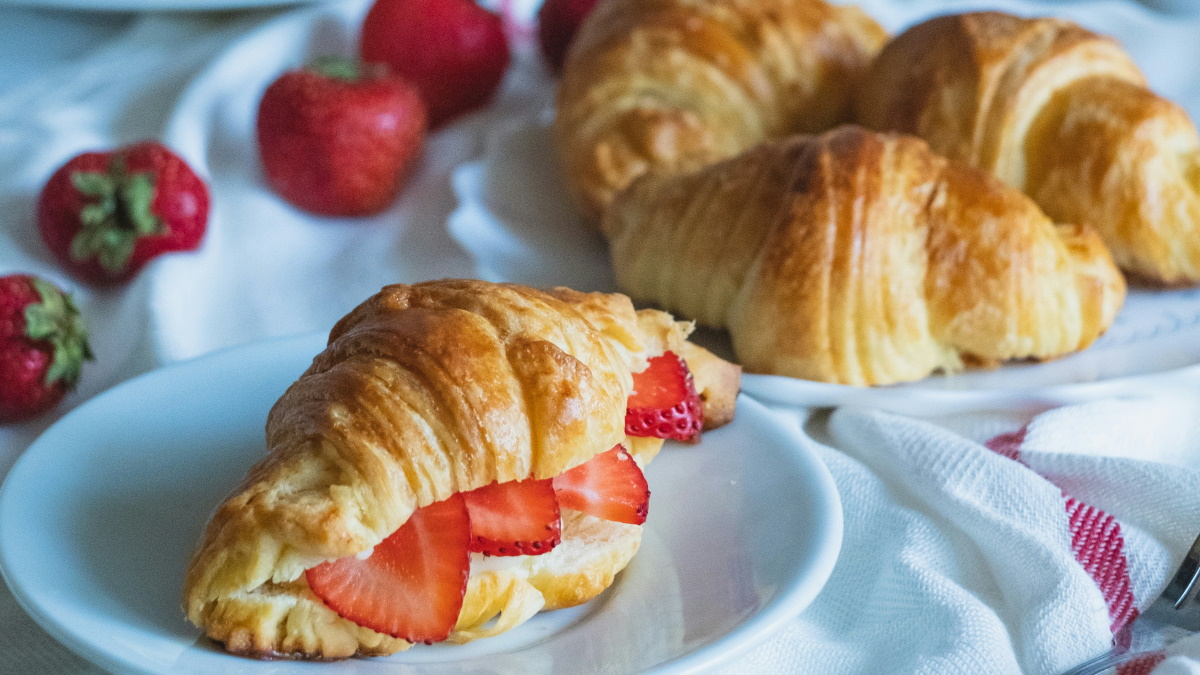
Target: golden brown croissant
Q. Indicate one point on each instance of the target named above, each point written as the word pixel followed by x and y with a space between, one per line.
pixel 861 258
pixel 674 85
pixel 425 391
pixel 1060 113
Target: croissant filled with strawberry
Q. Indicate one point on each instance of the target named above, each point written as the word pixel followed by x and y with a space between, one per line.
pixel 461 456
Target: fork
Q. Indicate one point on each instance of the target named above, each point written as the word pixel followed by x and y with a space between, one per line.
pixel 1174 615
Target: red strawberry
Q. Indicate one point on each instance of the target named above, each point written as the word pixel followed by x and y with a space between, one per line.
pixel 609 486
pixel 339 139
pixel 514 518
pixel 412 585
pixel 43 344
pixel 557 22
pixel 454 51
pixel 664 403
pixel 104 215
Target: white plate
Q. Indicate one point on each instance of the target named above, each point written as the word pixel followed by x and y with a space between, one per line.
pixel 518 222
pixel 151 5
pixel 99 517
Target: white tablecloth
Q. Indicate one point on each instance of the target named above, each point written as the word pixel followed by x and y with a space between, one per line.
pixel 71 82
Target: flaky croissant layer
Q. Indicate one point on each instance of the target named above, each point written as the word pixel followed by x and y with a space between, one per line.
pixel 425 391
pixel 861 258
pixel 1062 114
pixel 673 85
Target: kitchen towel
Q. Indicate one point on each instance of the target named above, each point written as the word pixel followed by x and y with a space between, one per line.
pixel 996 542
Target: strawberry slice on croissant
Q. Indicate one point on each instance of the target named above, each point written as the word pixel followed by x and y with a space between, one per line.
pixel 515 518
pixel 413 584
pixel 431 395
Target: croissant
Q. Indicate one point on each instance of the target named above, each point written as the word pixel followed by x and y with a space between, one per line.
pixel 674 85
pixel 1060 113
pixel 861 258
pixel 426 391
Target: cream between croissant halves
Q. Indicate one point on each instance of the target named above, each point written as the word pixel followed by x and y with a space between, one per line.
pixel 461 456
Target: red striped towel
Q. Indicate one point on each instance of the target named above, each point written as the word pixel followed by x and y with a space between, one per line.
pixel 989 543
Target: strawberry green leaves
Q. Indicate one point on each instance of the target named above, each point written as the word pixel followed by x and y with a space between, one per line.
pixel 57 321
pixel 118 215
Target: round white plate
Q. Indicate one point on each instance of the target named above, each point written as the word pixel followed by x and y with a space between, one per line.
pixel 151 5
pixel 99 517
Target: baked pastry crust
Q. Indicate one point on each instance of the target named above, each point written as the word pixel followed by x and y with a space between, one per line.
pixel 1062 114
pixel 861 258
pixel 674 85
pixel 424 391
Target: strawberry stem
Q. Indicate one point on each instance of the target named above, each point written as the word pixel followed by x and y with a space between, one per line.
pixel 338 68
pixel 57 321
pixel 120 214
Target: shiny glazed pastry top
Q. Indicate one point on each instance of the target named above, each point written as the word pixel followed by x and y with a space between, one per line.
pixel 862 258
pixel 1062 114
pixel 426 392
pixel 674 85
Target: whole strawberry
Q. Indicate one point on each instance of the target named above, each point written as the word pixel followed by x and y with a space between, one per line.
pixel 557 22
pixel 105 215
pixel 454 51
pixel 339 139
pixel 43 344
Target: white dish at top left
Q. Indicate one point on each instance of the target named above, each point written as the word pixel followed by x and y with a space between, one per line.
pixel 151 5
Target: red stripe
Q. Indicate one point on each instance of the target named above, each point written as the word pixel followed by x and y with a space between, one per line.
pixel 1142 665
pixel 1009 444
pixel 1096 541
pixel 1099 546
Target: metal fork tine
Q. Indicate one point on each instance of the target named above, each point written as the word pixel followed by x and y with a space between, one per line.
pixel 1184 581
pixel 1174 614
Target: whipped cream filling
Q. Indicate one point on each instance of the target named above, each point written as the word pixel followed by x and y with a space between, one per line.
pixel 572 521
pixel 481 563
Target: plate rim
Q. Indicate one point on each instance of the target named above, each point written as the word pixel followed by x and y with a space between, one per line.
pixel 799 594
pixel 129 6
pixel 42 617
pixel 795 596
pixel 920 400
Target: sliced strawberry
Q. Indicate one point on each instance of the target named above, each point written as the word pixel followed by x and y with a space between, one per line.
pixel 514 518
pixel 664 403
pixel 412 585
pixel 609 486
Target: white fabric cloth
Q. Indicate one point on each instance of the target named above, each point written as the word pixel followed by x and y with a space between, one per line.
pixel 957 558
